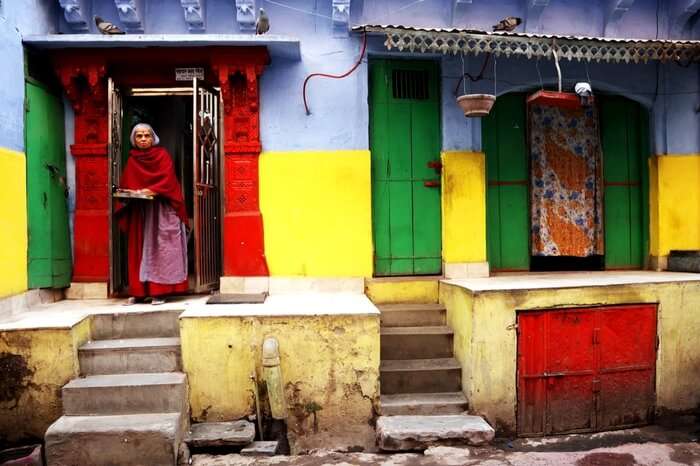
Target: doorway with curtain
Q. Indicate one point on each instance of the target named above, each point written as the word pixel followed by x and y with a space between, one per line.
pixel 566 188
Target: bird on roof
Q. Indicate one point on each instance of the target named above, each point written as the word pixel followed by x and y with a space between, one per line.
pixel 508 23
pixel 107 28
pixel 262 24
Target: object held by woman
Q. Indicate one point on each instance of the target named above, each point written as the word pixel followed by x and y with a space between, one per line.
pixel 157 238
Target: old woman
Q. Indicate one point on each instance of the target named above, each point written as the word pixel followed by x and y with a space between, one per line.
pixel 157 239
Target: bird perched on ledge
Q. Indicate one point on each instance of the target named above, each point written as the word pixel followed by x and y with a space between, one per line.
pixel 507 24
pixel 107 28
pixel 262 24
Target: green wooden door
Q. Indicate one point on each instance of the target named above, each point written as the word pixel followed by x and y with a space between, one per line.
pixel 625 144
pixel 507 207
pixel 49 259
pixel 404 140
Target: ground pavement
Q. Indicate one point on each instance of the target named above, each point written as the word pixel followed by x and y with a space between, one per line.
pixel 647 446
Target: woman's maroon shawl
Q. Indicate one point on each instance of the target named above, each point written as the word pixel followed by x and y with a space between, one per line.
pixel 153 169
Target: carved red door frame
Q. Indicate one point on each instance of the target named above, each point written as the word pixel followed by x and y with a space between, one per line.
pixel 83 74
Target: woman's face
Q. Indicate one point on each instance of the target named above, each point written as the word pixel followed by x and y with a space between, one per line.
pixel 143 138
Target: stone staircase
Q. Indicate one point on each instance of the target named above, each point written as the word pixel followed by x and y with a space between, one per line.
pixel 418 372
pixel 422 403
pixel 130 404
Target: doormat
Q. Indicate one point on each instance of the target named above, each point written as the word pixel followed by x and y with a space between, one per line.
pixel 237 298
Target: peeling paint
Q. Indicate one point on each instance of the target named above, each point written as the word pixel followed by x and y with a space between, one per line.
pixel 16 376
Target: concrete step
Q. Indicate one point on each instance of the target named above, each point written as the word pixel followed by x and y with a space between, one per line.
pixel 402 433
pixel 134 439
pixel 132 355
pixel 416 342
pixel 220 434
pixel 125 394
pixel 412 315
pixel 420 376
pixel 430 404
pixel 136 324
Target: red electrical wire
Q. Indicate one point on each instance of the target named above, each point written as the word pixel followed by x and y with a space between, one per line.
pixel 334 76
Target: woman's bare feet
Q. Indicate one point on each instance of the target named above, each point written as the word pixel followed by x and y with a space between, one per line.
pixel 157 301
pixel 131 301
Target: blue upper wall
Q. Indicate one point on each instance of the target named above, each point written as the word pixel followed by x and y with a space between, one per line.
pixel 18 18
pixel 339 116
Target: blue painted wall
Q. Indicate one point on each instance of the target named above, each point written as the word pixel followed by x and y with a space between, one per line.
pixel 18 18
pixel 339 108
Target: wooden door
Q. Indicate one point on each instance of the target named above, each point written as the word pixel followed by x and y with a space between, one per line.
pixel 507 208
pixel 625 144
pixel 49 257
pixel 405 144
pixel 588 369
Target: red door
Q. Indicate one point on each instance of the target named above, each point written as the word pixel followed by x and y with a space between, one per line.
pixel 588 369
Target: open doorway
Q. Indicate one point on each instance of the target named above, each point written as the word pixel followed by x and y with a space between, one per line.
pixel 612 229
pixel 187 122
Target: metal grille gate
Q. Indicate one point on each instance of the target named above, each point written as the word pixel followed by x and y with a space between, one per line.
pixel 117 265
pixel 206 175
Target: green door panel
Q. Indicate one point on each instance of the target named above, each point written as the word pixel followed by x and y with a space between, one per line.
pixel 49 259
pixel 507 212
pixel 400 219
pixel 404 138
pixel 624 146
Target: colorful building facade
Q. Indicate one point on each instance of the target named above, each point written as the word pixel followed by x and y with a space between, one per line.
pixel 371 172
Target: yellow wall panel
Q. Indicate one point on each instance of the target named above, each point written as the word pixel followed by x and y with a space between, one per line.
pixel 37 363
pixel 463 207
pixel 13 223
pixel 678 196
pixel 400 290
pixel 329 364
pixel 317 212
pixel 486 340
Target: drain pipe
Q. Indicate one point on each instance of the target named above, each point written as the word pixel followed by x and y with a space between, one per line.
pixel 257 404
pixel 272 374
pixel 273 378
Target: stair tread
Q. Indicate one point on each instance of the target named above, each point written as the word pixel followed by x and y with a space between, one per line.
pixel 127 380
pixel 410 307
pixel 131 343
pixel 144 422
pixel 426 330
pixel 399 365
pixel 423 398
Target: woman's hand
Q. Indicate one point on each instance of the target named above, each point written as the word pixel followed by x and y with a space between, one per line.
pixel 146 191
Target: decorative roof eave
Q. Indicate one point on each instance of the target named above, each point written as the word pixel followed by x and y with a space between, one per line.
pixel 473 42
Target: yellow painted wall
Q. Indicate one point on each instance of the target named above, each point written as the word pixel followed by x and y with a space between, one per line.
pixel 487 348
pixel 675 198
pixel 13 223
pixel 397 290
pixel 36 363
pixel 332 361
pixel 463 207
pixel 317 212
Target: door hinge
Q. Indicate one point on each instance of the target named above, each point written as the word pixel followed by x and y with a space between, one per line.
pixel 596 386
pixel 26 104
pixel 596 336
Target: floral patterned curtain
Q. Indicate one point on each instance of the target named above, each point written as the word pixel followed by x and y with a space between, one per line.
pixel 566 192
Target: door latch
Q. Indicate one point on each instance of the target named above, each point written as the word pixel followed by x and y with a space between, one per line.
pixel 431 184
pixel 436 165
